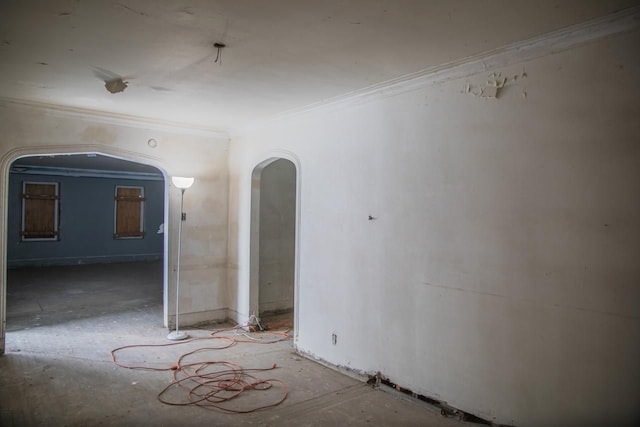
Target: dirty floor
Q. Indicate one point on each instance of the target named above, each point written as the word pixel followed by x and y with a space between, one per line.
pixel 63 323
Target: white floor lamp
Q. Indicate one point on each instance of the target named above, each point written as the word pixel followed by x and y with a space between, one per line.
pixel 182 183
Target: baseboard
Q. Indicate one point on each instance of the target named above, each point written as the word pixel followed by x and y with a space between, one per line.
pixel 192 319
pixel 276 306
pixel 64 261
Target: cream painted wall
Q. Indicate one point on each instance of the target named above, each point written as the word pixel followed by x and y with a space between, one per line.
pixel 500 272
pixel 28 129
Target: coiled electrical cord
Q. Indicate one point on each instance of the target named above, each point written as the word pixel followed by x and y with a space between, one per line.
pixel 214 384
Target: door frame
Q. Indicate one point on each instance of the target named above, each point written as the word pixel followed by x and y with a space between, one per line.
pixel 5 166
pixel 254 244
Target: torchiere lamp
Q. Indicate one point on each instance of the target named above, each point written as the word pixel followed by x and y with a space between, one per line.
pixel 182 183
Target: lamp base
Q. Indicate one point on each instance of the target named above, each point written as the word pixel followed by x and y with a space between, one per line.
pixel 177 336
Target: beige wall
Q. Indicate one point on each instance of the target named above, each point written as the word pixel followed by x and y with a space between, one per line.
pixel 29 129
pixel 500 272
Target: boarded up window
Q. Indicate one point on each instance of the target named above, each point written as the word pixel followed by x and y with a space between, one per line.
pixel 40 210
pixel 129 212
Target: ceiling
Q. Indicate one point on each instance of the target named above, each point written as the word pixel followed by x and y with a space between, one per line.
pixel 280 55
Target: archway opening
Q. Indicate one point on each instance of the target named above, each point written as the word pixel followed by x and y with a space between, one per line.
pixel 273 241
pixel 84 243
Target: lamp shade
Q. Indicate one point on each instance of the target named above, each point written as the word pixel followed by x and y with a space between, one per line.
pixel 182 182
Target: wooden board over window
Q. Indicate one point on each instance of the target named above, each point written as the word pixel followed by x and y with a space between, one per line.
pixel 129 212
pixel 40 210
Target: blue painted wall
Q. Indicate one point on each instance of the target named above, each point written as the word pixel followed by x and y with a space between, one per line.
pixel 86 224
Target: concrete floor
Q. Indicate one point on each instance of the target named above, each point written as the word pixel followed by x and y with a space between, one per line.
pixel 62 324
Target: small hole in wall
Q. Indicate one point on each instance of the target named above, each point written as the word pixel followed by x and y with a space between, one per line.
pixel 334 339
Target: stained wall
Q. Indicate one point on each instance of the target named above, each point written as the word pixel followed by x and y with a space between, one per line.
pixel 28 129
pixel 478 247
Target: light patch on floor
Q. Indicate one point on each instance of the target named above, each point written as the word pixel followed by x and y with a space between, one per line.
pixel 61 372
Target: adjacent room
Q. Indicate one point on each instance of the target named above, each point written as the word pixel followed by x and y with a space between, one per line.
pixel 77 218
pixel 284 212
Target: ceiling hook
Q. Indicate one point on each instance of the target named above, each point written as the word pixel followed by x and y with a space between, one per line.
pixel 219 46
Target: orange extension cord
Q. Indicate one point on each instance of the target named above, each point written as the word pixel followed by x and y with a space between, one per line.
pixel 214 384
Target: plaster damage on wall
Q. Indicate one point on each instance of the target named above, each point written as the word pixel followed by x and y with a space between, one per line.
pixel 477 206
pixel 496 85
pixel 483 202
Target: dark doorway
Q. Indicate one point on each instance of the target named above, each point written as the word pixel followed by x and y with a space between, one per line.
pixel 274 240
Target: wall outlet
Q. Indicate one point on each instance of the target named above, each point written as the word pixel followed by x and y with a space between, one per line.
pixel 334 339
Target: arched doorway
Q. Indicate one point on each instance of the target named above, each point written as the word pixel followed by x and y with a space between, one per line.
pixel 92 203
pixel 273 240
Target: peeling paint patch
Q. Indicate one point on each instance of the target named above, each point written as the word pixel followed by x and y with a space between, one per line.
pixel 113 82
pixel 115 85
pixel 495 85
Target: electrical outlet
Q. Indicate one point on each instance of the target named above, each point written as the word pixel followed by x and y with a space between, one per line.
pixel 334 339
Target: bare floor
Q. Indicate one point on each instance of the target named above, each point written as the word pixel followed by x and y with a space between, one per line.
pixel 63 323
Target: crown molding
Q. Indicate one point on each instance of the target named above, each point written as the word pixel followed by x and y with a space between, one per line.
pixel 116 118
pixel 546 44
pixel 536 47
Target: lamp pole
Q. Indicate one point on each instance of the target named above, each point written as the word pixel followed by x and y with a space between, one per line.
pixel 182 184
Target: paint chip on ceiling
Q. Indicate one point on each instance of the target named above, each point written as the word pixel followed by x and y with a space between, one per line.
pixel 115 85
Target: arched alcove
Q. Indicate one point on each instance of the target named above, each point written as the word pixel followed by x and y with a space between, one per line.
pixel 273 260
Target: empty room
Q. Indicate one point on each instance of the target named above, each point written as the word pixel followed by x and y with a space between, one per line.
pixel 319 213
